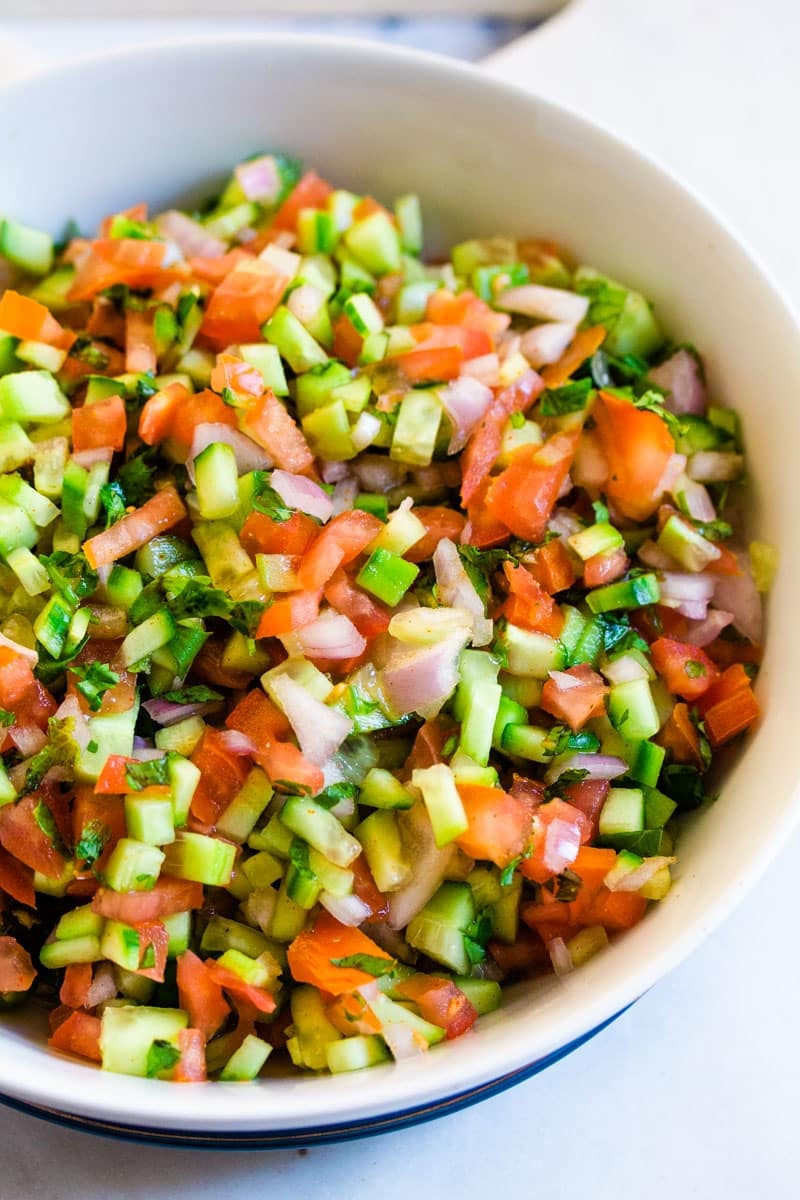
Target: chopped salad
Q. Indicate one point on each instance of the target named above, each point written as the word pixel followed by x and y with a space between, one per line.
pixel 366 624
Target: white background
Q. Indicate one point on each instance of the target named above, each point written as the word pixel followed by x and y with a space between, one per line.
pixel 692 1093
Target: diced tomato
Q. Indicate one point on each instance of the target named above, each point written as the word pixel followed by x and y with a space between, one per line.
pixel 16 880
pixel 100 424
pixel 159 412
pixel 528 604
pixel 140 342
pixel 17 972
pixel 591 864
pixel 350 1014
pixel 30 321
pixel 499 824
pixel 22 837
pixel 465 309
pixel 133 261
pixel 428 745
pixel 686 670
pixel 113 779
pixel 440 1002
pixel 526 956
pixel 638 446
pixel 234 373
pixel 241 303
pixel 429 364
pixel 214 270
pixel 166 897
pixel 289 613
pixel 342 540
pixel 365 888
pixel 574 696
pixel 589 796
pixel 153 936
pixel 726 564
pixel 728 707
pixel 200 995
pixel 222 775
pixel 191 1066
pixel 559 829
pixel 483 447
pixel 157 514
pixel 310 192
pixel 311 953
pixel 258 718
pixel 261 534
pixel 202 408
pixel 523 495
pixel 284 763
pixel 232 983
pixel 76 984
pixel 482 528
pixel 732 681
pixel 16 678
pixel 680 738
pixel 582 346
pixel 79 1034
pixel 368 615
pixel 473 343
pixel 616 910
pixel 604 568
pixel 267 422
pixel 440 522
pixel 552 567
pixel 101 815
pixel 347 341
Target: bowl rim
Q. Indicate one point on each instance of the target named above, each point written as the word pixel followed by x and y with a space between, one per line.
pixel 66 1088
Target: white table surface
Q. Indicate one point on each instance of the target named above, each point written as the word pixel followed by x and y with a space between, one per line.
pixel 691 1093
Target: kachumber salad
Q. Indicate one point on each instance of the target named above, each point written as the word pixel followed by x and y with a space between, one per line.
pixel 365 623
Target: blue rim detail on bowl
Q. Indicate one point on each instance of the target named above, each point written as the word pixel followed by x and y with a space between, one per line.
pixel 302 1138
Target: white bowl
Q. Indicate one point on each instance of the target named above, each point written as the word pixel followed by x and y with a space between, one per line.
pixel 161 123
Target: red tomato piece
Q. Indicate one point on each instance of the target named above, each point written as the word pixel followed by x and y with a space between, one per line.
pixel 311 953
pixel 222 775
pixel 369 616
pixel 440 522
pixel 638 446
pixel 310 192
pixel 79 1034
pixel 159 412
pixel 157 514
pixel 499 824
pixel 342 540
pixel 523 495
pixel 440 1002
pixel 22 837
pixel 528 604
pixel 687 670
pixel 241 303
pixel 289 613
pixel 574 696
pixel 101 424
pixel 267 422
pixel 200 995
pixel 481 451
pixel 559 829
pixel 168 896
pixel 17 972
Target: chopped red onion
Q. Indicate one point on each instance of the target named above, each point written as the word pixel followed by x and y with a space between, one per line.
pixel 562 841
pixel 633 880
pixel 623 669
pixel 279 256
pixel 597 766
pixel 456 590
pixel 431 864
pixel 421 680
pixel 365 430
pixel 28 739
pixel 684 587
pixel 737 594
pixel 403 1041
pixel 259 179
pixel 560 956
pixel 103 986
pixel 90 458
pixel 378 472
pixel 296 491
pixel 465 400
pixel 704 632
pixel 192 237
pixel 334 472
pixel 652 555
pixel 715 466
pixel 674 469
pixel 249 455
pixel 485 368
pixel 545 344
pixel 320 730
pixel 32 656
pixel 344 495
pixel 544 303
pixel 165 713
pixel 681 378
pixel 590 465
pixel 349 910
pixel 332 636
pixel 237 743
pixel 564 522
pixel 695 497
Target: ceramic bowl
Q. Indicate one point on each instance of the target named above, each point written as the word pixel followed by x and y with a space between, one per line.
pixel 165 123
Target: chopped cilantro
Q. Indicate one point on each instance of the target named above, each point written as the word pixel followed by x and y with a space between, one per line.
pixel 6 717
pixel 335 793
pixel 195 694
pixel 59 751
pixel 161 1056
pixel 601 513
pixel 619 635
pixel 652 401
pixel 187 301
pixel 572 775
pixel 370 964
pixel 95 680
pixel 694 669
pixel 477 934
pixel 568 884
pixel 199 599
pixel 92 746
pixel 450 746
pixel 85 350
pixel 92 842
pixel 114 502
pixel 142 774
pixel 684 785
pixel 70 574
pixel 572 397
pixel 46 822
pixel 267 501
pixel 135 477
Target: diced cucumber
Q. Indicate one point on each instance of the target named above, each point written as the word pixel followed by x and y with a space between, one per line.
pixel 658 808
pixel 108 734
pixel 246 1062
pixel 183 737
pixel 49 464
pixel 505 911
pixel 200 858
pixel 328 432
pixel 314 388
pixel 222 933
pixel 408 213
pixel 150 819
pixel 128 1033
pixel 266 359
pixel 32 396
pixel 379 834
pixel 632 711
pixel 153 633
pixel 411 301
pixel 40 354
pixel 645 761
pixel 293 341
pixel 466 770
pixel 79 922
pixel 601 538
pixel 382 790
pixel 485 995
pixel 52 624
pixel 288 919
pixel 320 828
pixel 216 479
pixel 262 869
pixel 444 805
pixel 390 1013
pixel 356 1053
pixel 62 953
pixel 16 448
pixel 133 866
pixel 122 944
pixel 179 927
pixel 29 571
pixel 532 654
pixel 363 314
pixel 29 249
pixel 628 318
pixel 479 720
pixel 586 943
pixel 275 837
pixel 438 929
pixel 625 594
pixel 238 820
pixel 313 1032
pixel 623 812
pixel 387 576
pixel 417 427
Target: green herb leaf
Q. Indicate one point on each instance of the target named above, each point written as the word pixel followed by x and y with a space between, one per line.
pixel 197 693
pixel 95 680
pixel 84 349
pixel 199 599
pixel 684 785
pixel 556 788
pixel 114 502
pixel 694 669
pixel 370 964
pixel 619 635
pixel 6 717
pixel 568 884
pixel 70 574
pixel 267 501
pixel 601 513
pixel 517 420
pixel 335 793
pixel 653 401
pixel 477 934
pixel 46 822
pixel 92 842
pixel 572 397
pixel 59 751
pixel 161 1056
pixel 142 774
pixel 135 477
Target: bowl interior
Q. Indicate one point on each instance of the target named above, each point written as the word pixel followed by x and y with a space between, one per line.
pixel 167 123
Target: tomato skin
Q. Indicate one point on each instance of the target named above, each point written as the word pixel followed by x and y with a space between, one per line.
pixel 483 529
pixel 365 888
pixel 100 424
pixel 29 320
pixel 528 604
pixel 552 567
pixel 467 310
pixel 576 705
pixel 241 303
pixel 347 341
pixel 232 983
pixel 199 409
pixel 604 568
pixel 310 192
pixel 440 522
pixel 499 824
pixel 284 763
pixel 559 829
pixel 222 776
pixel 200 995
pixel 481 451
pixel 687 670
pixel 289 613
pixel 234 373
pixel 582 346
pixel 524 494
pixel 267 422
pixel 589 796
pixel 16 880
pixel 342 540
pixel 311 952
pixel 638 447
pixel 369 616
pixel 159 412
pixel 168 896
pixel 17 972
pixel 258 718
pixel 79 1034
pixel 261 534
pixel 16 678
pixel 135 262
pixel 214 270
pixel 440 1002
pixel 76 984
pixel 431 363
pixel 160 512
pixel 21 836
